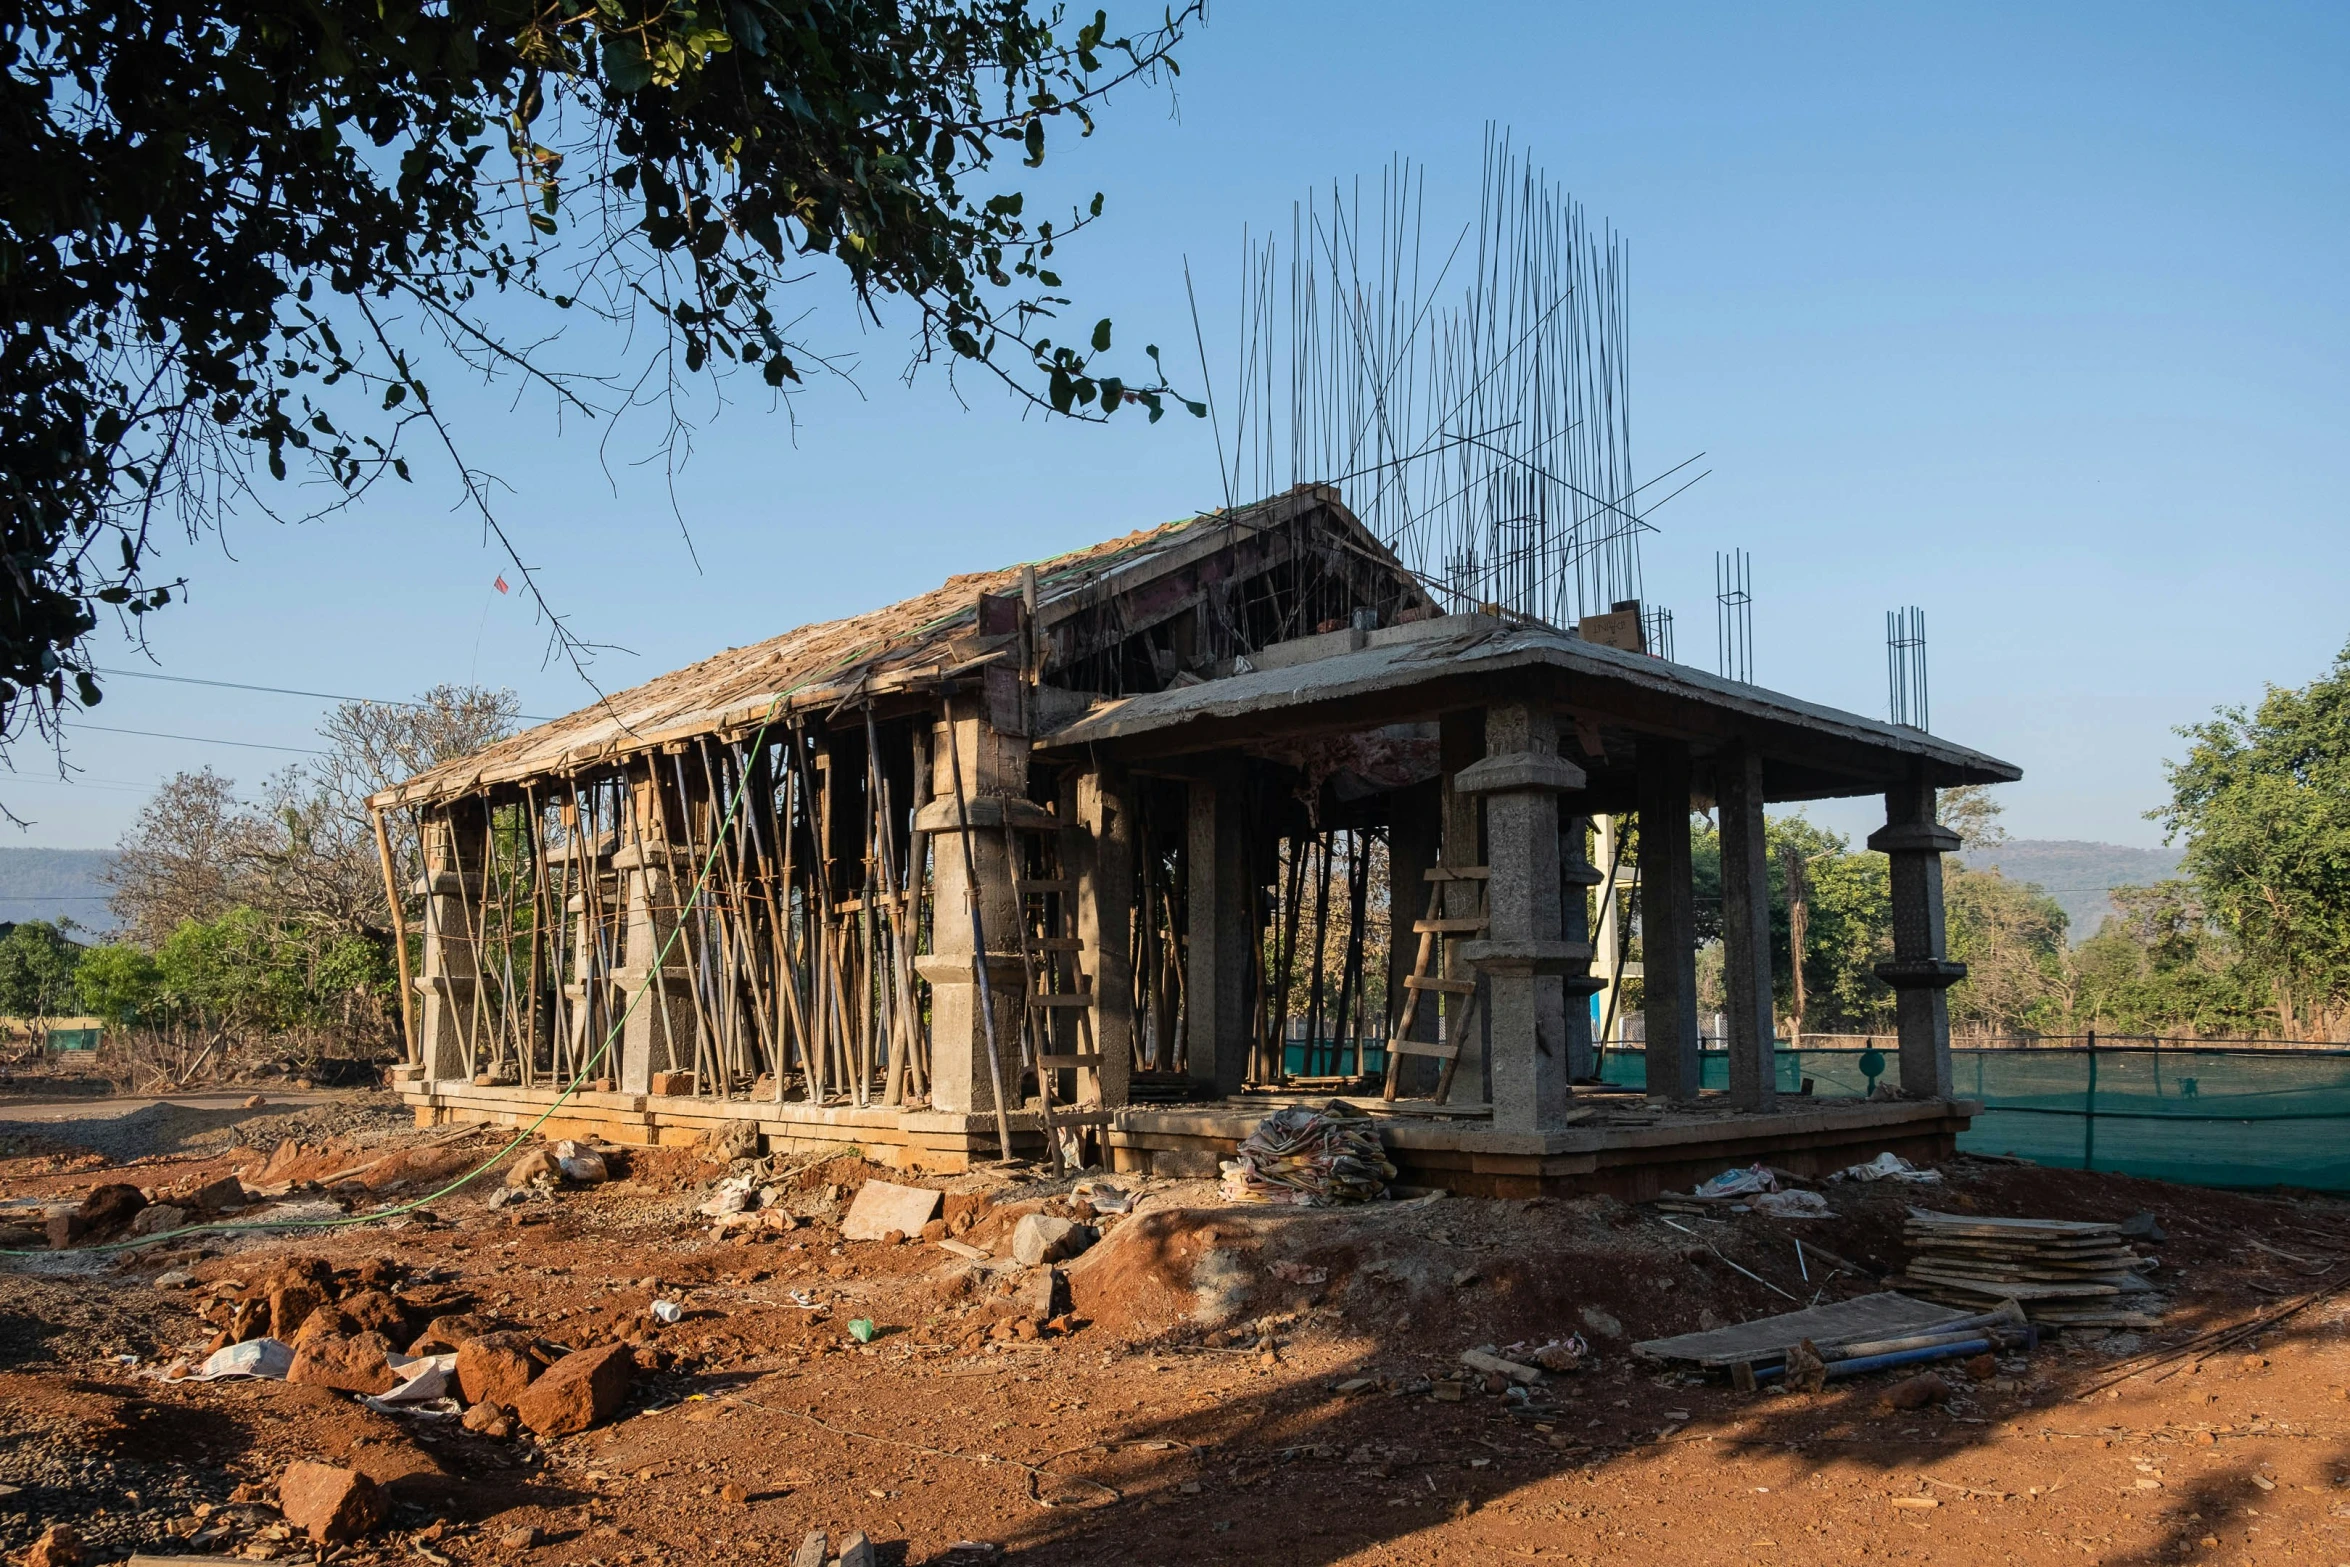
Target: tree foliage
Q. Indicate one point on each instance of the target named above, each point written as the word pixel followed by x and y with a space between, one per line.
pixel 37 962
pixel 233 238
pixel 258 915
pixel 119 983
pixel 2263 802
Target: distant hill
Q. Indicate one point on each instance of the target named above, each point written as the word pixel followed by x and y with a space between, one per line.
pixel 2077 874
pixel 55 884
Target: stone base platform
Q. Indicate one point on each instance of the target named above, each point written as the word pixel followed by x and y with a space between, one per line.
pixel 1618 1145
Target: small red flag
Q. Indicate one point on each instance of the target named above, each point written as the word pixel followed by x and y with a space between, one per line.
pixel 501 583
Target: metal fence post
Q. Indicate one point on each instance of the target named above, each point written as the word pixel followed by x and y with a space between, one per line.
pixel 2089 1111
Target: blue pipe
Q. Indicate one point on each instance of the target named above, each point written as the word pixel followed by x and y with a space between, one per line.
pixel 1899 1357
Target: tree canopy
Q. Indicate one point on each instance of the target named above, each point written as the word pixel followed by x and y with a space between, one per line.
pixel 2262 799
pixel 233 239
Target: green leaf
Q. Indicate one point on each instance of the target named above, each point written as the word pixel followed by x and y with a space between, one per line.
pixel 1101 336
pixel 626 70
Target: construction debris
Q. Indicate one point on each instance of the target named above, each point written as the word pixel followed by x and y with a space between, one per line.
pixel 1846 1338
pixel 884 1208
pixel 2064 1272
pixel 1310 1157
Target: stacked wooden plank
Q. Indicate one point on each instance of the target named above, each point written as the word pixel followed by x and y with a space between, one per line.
pixel 2063 1272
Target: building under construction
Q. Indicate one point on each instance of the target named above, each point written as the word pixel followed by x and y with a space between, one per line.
pixel 1107 854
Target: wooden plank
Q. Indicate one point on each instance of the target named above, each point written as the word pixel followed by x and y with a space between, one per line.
pixel 1865 1317
pixel 1457 873
pixel 1421 1047
pixel 2017 1289
pixel 1449 987
pixel 1038 888
pixel 1080 1000
pixel 1461 926
pixel 1090 1060
pixel 1958 1225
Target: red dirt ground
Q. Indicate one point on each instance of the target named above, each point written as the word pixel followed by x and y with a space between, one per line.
pixel 1191 1414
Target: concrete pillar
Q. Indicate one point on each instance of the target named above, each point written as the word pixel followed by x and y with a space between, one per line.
pixel 1668 920
pixel 1522 954
pixel 1415 826
pixel 1921 972
pixel 656 991
pixel 1461 744
pixel 994 772
pixel 1103 848
pixel 1217 959
pixel 1577 876
pixel 453 843
pixel 1746 928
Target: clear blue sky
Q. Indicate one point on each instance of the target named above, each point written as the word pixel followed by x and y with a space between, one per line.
pixel 2034 317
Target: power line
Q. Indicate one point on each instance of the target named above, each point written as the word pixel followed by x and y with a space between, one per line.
pixel 322 696
pixel 157 734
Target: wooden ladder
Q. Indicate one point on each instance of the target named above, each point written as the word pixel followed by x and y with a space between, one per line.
pixel 1434 931
pixel 1055 985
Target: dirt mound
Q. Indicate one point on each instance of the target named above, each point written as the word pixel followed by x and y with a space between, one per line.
pixel 1426 1273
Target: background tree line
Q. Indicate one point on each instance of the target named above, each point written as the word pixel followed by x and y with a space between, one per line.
pixel 247 919
pixel 2251 939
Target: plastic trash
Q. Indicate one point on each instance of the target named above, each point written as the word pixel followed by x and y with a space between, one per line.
pixel 1310 1157
pixel 862 1330
pixel 667 1311
pixel 1108 1199
pixel 256 1357
pixel 1738 1183
pixel 425 1379
pixel 733 1196
pixel 1794 1205
pixel 1888 1166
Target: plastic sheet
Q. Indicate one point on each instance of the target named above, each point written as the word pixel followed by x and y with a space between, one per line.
pixel 1738 1183
pixel 256 1357
pixel 1888 1166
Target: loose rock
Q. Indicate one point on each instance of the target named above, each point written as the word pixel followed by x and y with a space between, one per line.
pixel 578 1391
pixel 1043 1295
pixel 291 1305
pixel 330 1504
pixel 497 1368
pixel 360 1363
pixel 489 1420
pixel 527 1538
pixel 219 1196
pixel 158 1217
pixel 111 1206
pixel 1916 1392
pixel 58 1546
pixel 532 1165
pixel 1042 1237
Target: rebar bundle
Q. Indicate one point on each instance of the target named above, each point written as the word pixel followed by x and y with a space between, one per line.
pixel 1471 399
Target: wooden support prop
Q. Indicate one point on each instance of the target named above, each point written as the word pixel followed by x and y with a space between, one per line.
pixel 383 851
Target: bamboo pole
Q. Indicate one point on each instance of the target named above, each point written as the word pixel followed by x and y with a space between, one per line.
pixel 383 852
pixel 1036 1027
